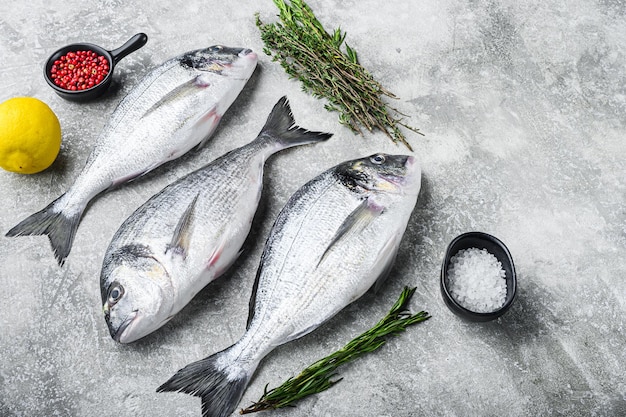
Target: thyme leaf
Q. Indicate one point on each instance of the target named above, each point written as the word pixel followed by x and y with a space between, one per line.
pixel 309 53
pixel 322 374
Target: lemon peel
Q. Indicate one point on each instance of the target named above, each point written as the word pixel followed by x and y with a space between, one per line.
pixel 30 135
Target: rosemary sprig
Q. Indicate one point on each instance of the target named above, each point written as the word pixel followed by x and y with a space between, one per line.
pixel 310 54
pixel 319 376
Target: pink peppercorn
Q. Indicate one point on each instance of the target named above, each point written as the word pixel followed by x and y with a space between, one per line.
pixel 79 70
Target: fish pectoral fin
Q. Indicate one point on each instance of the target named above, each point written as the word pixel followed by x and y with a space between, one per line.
pixel 356 222
pixel 212 118
pixel 216 254
pixel 180 239
pixel 181 91
pixel 387 256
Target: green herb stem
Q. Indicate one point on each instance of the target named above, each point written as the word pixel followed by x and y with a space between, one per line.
pixel 309 53
pixel 321 375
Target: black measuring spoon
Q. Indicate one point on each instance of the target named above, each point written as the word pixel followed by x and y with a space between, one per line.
pixel 113 57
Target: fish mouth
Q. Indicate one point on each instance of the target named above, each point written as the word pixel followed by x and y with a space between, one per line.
pixel 249 56
pixel 240 52
pixel 247 52
pixel 401 181
pixel 118 335
pixel 241 67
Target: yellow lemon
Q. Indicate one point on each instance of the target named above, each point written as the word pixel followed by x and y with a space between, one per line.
pixel 30 135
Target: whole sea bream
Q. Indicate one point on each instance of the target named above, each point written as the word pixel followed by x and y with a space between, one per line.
pixel 189 233
pixel 332 241
pixel 175 107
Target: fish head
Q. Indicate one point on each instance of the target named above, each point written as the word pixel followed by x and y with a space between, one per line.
pixel 136 296
pixel 233 62
pixel 395 174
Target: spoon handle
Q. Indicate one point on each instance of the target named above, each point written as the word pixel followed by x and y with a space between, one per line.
pixel 131 45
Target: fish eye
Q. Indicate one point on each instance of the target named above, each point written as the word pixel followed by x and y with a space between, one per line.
pixel 378 159
pixel 115 294
pixel 217 48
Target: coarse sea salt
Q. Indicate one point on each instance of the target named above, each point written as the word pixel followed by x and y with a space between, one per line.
pixel 476 280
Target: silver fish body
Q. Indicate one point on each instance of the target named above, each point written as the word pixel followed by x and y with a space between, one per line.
pixel 189 233
pixel 175 107
pixel 333 240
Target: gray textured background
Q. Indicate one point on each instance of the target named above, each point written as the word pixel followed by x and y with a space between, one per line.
pixel 523 107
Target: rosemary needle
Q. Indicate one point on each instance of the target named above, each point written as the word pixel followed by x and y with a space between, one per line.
pixel 310 54
pixel 319 376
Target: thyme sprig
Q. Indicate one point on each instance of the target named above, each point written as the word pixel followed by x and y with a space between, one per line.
pixel 320 375
pixel 310 54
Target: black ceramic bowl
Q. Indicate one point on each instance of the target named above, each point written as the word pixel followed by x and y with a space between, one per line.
pixel 494 246
pixel 113 57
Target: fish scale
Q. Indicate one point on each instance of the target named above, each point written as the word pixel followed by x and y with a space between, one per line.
pixel 189 233
pixel 336 237
pixel 174 108
pixel 322 210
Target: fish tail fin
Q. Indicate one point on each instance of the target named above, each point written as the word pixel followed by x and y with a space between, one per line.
pixel 53 222
pixel 219 383
pixel 281 127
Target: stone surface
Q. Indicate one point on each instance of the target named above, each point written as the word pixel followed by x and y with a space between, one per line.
pixel 523 107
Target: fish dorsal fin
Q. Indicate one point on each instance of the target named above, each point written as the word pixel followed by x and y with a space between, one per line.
pixel 252 303
pixel 182 90
pixel 356 222
pixel 180 240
